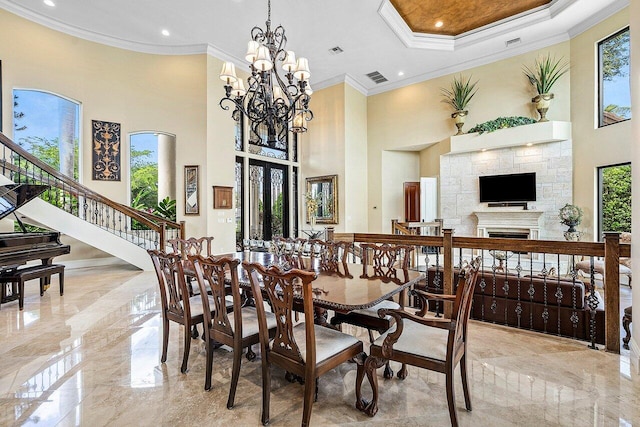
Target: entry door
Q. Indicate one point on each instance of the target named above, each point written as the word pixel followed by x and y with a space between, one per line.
pixel 412 202
pixel 268 200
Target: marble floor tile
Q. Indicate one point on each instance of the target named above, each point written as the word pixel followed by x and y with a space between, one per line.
pixel 92 357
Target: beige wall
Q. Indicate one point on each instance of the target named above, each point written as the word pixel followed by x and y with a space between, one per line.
pixel 217 162
pixel 413 116
pixel 354 183
pixel 177 95
pixel 323 148
pixel 593 146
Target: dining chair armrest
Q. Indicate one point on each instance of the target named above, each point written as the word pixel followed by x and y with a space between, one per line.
pixel 398 315
pixel 430 295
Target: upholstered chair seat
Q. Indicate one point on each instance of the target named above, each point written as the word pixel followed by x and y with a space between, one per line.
pixel 419 340
pixel 329 342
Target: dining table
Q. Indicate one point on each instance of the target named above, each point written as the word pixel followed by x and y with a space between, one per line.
pixel 347 288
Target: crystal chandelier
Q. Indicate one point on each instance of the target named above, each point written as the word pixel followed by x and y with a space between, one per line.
pixel 273 104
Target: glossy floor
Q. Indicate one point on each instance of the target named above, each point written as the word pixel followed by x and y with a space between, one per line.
pixel 92 358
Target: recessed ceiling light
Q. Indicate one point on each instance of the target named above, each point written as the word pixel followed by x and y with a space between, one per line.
pixel 49 3
pixel 484 149
pixel 439 24
pixel 166 33
pixel 529 144
pixel 401 73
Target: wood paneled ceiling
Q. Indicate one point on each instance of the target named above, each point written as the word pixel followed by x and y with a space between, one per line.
pixel 459 16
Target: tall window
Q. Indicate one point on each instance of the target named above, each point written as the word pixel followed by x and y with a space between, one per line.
pixel 615 91
pixel 614 183
pixel 48 126
pixel 144 171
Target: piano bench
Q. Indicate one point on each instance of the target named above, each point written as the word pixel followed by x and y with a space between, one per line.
pixel 42 272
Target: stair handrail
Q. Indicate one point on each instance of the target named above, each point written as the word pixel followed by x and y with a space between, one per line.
pixel 156 223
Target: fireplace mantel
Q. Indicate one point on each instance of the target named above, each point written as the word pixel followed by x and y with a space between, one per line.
pixel 506 220
pixel 527 135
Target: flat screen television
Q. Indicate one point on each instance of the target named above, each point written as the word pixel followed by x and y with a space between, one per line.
pixel 517 187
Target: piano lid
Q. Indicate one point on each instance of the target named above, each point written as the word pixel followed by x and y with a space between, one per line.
pixel 13 196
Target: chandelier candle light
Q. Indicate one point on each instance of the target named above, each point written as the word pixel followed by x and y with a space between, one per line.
pixel 273 104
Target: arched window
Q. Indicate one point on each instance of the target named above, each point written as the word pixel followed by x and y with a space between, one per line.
pixel 48 126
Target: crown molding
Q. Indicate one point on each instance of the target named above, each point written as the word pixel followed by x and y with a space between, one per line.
pixel 342 78
pixel 476 62
pixel 450 43
pixel 598 17
pixel 93 36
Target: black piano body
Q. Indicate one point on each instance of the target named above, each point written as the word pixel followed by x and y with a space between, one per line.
pixel 18 248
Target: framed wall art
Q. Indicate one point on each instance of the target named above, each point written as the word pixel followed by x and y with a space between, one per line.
pixel 106 150
pixel 222 197
pixel 191 190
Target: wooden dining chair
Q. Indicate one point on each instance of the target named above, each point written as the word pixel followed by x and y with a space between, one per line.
pixel 330 256
pixel 302 349
pixel 389 263
pixel 177 305
pixel 191 246
pixel 437 344
pixel 238 332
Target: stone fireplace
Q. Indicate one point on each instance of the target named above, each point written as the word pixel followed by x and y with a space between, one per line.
pixel 543 148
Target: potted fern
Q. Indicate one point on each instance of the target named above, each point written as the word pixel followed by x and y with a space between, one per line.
pixel 458 96
pixel 544 74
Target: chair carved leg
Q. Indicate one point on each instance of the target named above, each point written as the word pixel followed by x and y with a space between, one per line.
pixel 165 338
pixel 187 347
pixel 266 391
pixel 370 365
pixel 251 355
pixel 309 392
pixel 209 367
pixel 359 360
pixel 451 397
pixel 626 321
pixel 465 383
pixel 388 372
pixel 235 373
pixel 403 372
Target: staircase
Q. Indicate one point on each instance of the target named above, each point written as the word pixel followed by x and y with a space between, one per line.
pixel 87 216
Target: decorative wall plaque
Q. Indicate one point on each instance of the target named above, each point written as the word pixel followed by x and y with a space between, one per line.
pixel 106 151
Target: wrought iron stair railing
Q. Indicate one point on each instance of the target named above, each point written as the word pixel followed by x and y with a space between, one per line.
pixel 135 226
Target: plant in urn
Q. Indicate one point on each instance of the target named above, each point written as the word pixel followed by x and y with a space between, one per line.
pixel 458 96
pixel 543 76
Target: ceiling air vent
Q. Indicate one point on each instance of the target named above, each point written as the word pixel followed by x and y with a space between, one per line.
pixel 335 50
pixel 512 42
pixel 377 77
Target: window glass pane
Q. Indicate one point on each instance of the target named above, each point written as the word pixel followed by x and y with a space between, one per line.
pixel 615 198
pixel 144 171
pixel 615 92
pixel 47 126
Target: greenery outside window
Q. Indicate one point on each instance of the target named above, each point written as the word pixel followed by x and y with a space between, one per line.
pixel 614 184
pixel 614 84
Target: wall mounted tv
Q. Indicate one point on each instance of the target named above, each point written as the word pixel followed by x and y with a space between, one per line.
pixel 518 187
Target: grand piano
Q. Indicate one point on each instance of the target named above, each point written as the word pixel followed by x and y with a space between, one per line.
pixel 18 248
